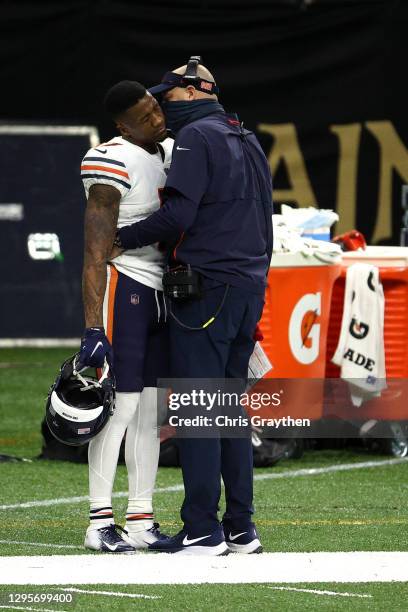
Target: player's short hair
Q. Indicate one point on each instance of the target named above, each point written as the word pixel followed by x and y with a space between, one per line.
pixel 122 96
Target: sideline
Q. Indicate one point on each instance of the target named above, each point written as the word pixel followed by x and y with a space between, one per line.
pixel 192 569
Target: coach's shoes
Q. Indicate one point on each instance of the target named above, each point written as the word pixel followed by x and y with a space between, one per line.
pixel 212 544
pixel 142 539
pixel 107 539
pixel 245 540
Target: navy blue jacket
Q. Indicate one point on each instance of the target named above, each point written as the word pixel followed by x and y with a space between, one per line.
pixel 217 204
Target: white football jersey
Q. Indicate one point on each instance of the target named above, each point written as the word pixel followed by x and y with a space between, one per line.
pixel 138 176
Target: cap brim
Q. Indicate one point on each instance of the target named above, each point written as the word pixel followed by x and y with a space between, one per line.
pixel 162 87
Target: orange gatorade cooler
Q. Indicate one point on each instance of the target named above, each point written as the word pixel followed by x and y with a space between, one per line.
pixel 296 315
pixel 294 325
pixel 393 266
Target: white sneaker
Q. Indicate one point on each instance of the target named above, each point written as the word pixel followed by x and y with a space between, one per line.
pixel 142 539
pixel 107 539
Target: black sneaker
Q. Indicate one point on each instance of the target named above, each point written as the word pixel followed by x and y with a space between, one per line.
pixel 107 539
pixel 245 540
pixel 212 544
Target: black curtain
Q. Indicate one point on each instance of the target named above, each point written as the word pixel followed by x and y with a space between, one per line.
pixel 309 65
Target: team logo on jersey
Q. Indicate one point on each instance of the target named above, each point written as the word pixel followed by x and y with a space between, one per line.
pixel 358 330
pixel 134 299
pixel 304 331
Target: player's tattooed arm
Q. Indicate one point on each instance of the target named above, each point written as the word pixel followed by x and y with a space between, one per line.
pixel 101 218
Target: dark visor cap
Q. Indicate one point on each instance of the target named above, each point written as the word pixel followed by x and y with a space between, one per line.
pixel 171 80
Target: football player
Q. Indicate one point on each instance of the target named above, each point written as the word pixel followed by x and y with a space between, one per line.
pixel 125 313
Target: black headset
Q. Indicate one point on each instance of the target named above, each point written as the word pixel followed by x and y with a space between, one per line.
pixel 190 77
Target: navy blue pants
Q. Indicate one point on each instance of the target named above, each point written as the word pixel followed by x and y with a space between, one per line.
pixel 220 351
pixel 138 333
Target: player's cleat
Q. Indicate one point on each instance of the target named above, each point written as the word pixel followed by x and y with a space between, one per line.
pixel 107 539
pixel 212 544
pixel 142 539
pixel 244 540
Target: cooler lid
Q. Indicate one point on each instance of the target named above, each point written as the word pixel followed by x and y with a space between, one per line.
pixel 381 256
pixel 299 260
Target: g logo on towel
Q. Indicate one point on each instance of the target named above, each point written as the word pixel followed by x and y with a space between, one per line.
pixel 304 332
pixel 358 330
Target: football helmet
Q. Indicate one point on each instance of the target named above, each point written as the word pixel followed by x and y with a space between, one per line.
pixel 79 406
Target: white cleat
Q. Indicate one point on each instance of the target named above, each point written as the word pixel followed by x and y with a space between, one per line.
pixel 107 539
pixel 142 539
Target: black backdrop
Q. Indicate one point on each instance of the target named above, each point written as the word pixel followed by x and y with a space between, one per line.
pixel 322 82
pixel 311 64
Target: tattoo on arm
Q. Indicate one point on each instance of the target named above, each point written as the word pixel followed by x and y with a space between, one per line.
pixel 101 218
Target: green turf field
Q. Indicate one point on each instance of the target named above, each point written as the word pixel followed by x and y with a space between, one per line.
pixel 254 597
pixel 354 509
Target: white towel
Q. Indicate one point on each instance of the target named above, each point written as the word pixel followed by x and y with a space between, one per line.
pixel 360 351
pixel 287 239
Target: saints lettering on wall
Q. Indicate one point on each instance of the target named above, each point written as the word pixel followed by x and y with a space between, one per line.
pixel 365 194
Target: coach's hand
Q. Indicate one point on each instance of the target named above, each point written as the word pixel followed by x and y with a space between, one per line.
pixel 95 347
pixel 115 252
pixel 117 248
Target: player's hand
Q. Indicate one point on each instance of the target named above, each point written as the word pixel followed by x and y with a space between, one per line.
pixel 95 348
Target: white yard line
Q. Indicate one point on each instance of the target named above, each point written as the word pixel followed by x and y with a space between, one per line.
pixel 70 546
pixel 27 608
pixel 316 592
pixel 46 502
pixel 191 569
pixel 112 593
pixel 39 342
pixel 342 467
pixel 59 501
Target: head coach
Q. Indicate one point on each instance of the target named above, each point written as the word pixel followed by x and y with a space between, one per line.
pixel 217 213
